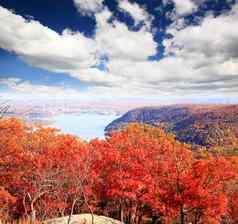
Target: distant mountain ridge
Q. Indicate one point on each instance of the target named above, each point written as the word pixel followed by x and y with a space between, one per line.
pixel 205 125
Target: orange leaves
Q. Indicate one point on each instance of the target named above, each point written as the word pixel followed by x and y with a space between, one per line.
pixel 6 201
pixel 6 197
pixel 140 170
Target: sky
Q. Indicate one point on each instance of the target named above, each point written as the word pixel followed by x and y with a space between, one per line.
pixel 143 49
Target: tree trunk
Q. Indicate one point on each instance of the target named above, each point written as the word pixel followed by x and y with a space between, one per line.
pixel 33 213
pixel 197 217
pixel 90 209
pixel 155 220
pixel 128 220
pixel 33 216
pixel 61 212
pixel 133 215
pixel 72 210
pixel 24 206
pixel 182 215
pixel 121 214
pixel 139 219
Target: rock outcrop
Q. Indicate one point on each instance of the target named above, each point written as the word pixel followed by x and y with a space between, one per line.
pixel 83 219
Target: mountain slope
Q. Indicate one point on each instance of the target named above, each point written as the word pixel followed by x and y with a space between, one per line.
pixel 206 125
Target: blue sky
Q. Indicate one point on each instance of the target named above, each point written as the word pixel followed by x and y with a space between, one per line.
pixel 119 48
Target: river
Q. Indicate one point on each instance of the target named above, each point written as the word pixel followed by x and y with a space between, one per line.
pixel 85 125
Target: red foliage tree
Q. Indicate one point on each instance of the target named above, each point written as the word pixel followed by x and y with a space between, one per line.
pixel 137 172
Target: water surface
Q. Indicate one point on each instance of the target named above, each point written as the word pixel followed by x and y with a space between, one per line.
pixel 85 125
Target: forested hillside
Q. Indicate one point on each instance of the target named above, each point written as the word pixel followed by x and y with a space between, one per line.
pixel 205 125
pixel 138 175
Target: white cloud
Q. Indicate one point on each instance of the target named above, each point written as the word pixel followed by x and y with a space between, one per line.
pixel 215 37
pixel 117 41
pixel 199 60
pixel 10 81
pixel 138 13
pixel 72 52
pixel 184 7
pixel 19 87
pixel 43 47
pixel 88 7
pixel 95 76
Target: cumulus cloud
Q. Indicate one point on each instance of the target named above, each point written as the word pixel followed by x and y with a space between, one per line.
pixel 10 81
pixel 215 37
pixel 199 60
pixel 183 7
pixel 138 13
pixel 72 52
pixel 116 41
pixel 43 47
pixel 208 52
pixel 20 87
pixel 88 7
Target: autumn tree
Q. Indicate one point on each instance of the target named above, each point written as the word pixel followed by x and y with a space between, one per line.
pixel 136 172
pixel 6 202
pixel 126 170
